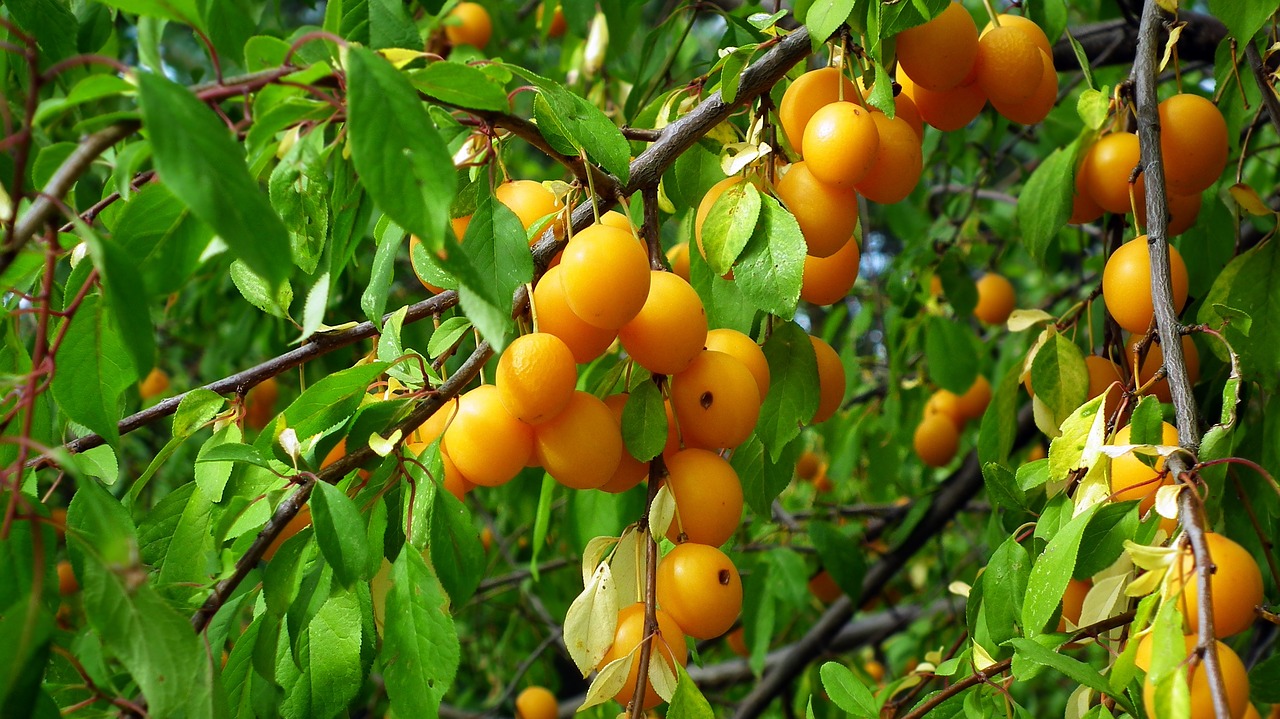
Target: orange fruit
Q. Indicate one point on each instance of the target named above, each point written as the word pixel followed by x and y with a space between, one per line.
pixel 1102 373
pixel 1025 26
pixel 737 642
pixel 260 403
pixel 716 401
pixel 898 163
pixel 67 584
pixel 1183 211
pixel 973 403
pixel 745 350
pixel 827 214
pixel 1107 167
pixel 585 342
pixel 827 280
pixel 469 24
pixel 605 274
pixel 555 29
pixel 945 403
pixel 841 143
pixel 1131 478
pixel 1036 453
pixel 529 200
pixel 413 245
pixel 1235 679
pixel 1084 209
pixel 618 220
pixel 822 483
pixel 154 385
pixel 582 446
pixel 831 380
pixel 822 586
pixel 535 377
pixel 936 440
pixel 1155 360
pixel 1193 143
pixel 806 95
pixel 670 329
pixel 460 225
pixel 1073 603
pixel 1126 284
pixel 470 439
pixel 940 53
pixel 995 299
pixel 668 646
pixel 538 702
pixel 905 108
pixel 808 465
pixel 700 589
pixel 678 256
pixel 708 497
pixel 946 110
pixel 58 517
pixel 1008 66
pixel 300 521
pixel 1236 587
pixel 1039 103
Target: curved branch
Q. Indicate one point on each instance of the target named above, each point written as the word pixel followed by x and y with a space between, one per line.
pixel 1171 341
pixel 1199 40
pixel 956 492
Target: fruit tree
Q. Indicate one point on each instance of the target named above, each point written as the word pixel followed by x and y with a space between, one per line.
pixel 873 358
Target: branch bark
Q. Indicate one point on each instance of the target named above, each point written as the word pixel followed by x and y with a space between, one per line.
pixel 956 492
pixel 1268 90
pixel 1199 40
pixel 1169 329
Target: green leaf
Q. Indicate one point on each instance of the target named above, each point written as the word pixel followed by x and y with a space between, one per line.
pixel 1052 572
pixel 1264 681
pixel 770 270
pixel 334 666
pixel 824 18
pixel 1004 584
pixel 1145 426
pixel 391 26
pixel 498 259
pixel 644 422
pixel 324 404
pixel 842 555
pixel 793 391
pixel 957 284
pixel 1093 107
pixel 93 355
pixel 258 292
pixel 373 300
pixel 339 532
pixel 692 174
pixel 1060 377
pixel 401 159
pixel 1002 487
pixel 212 477
pixel 161 237
pixel 26 629
pixel 688 702
pixel 1050 15
pixel 1082 58
pixel 1073 669
pixel 456 552
pixel 462 85
pixel 420 646
pixel 183 570
pixel 999 423
pixel 847 692
pixel 1251 280
pixel 763 480
pixel 203 166
pixel 731 72
pixel 729 225
pixel 1104 538
pixel 582 126
pixel 196 409
pixel 183 11
pixel 447 334
pixel 299 191
pixel 952 352
pixel 1045 202
pixel 1243 19
pixel 234 452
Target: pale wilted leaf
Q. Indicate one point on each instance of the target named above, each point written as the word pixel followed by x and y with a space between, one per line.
pixel 1248 200
pixel 1167 500
pixel 662 511
pixel 591 621
pixel 626 565
pixel 1020 320
pixel 661 675
pixel 595 552
pixel 607 683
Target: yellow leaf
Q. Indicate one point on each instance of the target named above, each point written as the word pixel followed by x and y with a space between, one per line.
pixel 383 447
pixel 1249 201
pixel 627 562
pixel 592 620
pixel 1168 5
pixel 607 683
pixel 595 552
pixel 662 511
pixel 399 57
pixel 1174 34
pixel 661 676
pixel 1020 320
pixel 981 659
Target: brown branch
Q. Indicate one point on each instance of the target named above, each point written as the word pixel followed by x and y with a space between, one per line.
pixel 1269 98
pixel 240 382
pixel 331 475
pixel 657 473
pixel 1199 40
pixel 955 493
pixel 1169 329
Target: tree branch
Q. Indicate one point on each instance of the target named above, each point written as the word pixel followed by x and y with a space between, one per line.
pixel 319 346
pixel 1199 40
pixel 1268 90
pixel 1171 340
pixel 956 492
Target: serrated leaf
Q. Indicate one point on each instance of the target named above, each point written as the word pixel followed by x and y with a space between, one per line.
pixel 770 270
pixel 952 352
pixel 688 702
pixel 644 422
pixel 662 511
pixel 93 355
pixel 610 680
pixel 1044 204
pixel 461 85
pixel 339 532
pixel 420 645
pixel 1051 573
pixel 729 225
pixel 793 392
pixel 846 691
pixel 824 17
pixel 1059 376
pixel 448 333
